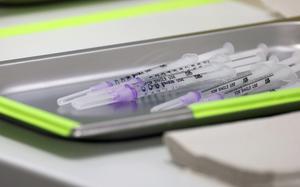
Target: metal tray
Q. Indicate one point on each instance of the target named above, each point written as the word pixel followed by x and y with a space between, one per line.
pixel 39 81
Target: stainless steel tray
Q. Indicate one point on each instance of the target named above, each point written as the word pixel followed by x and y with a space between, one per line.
pixel 39 81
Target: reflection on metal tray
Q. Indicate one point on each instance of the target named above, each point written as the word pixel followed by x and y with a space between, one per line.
pixel 39 81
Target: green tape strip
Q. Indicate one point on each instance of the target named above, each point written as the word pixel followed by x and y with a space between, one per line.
pixel 118 14
pixel 245 103
pixel 37 117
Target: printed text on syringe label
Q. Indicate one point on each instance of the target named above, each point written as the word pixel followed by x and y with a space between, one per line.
pixel 177 77
pixel 162 85
pixel 179 70
pixel 241 79
pixel 149 75
pixel 129 77
pixel 248 88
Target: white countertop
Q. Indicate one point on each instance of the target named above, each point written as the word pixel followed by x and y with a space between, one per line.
pixel 202 18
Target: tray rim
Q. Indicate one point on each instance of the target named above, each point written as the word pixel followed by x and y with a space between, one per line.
pixel 281 22
pixel 76 130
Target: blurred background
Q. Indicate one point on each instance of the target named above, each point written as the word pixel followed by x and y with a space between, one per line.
pixel 38 27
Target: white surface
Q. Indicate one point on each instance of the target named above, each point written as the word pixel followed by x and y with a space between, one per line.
pixel 139 163
pixel 207 17
pixel 261 145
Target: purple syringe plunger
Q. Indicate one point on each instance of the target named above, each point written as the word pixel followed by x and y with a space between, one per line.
pixel 103 86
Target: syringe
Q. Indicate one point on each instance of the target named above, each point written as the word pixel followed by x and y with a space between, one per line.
pixel 239 63
pixel 165 81
pixel 192 76
pixel 185 60
pixel 154 86
pixel 286 73
pixel 244 83
pixel 127 93
pixel 205 58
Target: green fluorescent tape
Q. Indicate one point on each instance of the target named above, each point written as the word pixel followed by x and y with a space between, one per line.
pixel 37 117
pixel 104 16
pixel 245 103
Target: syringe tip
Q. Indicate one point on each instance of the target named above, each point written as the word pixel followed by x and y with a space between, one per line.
pixel 264 48
pixel 273 59
pixel 262 56
pixel 120 94
pixel 70 98
pixel 229 47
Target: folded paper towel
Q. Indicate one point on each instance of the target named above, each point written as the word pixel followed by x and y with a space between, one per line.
pixel 261 152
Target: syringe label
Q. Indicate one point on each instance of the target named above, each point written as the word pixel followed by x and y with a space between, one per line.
pixel 245 89
pixel 242 78
pixel 126 78
pixel 151 75
pixel 162 85
pixel 179 70
pixel 179 77
pixel 172 81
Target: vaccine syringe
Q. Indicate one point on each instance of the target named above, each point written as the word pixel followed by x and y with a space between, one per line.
pixel 265 74
pixel 130 92
pixel 187 62
pixel 187 59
